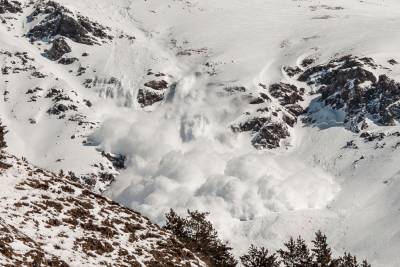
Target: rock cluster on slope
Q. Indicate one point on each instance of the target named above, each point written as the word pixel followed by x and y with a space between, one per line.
pixel 348 84
pixel 53 20
pixel 277 111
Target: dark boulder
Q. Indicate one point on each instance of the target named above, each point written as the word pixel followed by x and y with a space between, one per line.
pixel 59 48
pixel 67 61
pixel 148 97
pixel 57 109
pixel 307 62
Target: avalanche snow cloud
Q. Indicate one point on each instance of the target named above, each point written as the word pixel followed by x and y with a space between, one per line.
pixel 210 170
pixel 184 155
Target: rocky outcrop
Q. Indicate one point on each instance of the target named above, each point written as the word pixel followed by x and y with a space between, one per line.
pixel 53 20
pixel 287 94
pixel 277 111
pixel 67 61
pixel 349 85
pixel 149 97
pixel 270 135
pixel 59 48
pixel 7 6
pixel 154 91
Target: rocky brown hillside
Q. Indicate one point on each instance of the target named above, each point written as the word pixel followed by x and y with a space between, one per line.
pixel 51 220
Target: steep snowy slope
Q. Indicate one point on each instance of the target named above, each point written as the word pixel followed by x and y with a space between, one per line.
pixel 247 109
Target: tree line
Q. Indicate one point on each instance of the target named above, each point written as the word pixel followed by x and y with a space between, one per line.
pixel 198 234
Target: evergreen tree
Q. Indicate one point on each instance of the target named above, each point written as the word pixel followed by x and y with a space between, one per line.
pixel 198 235
pixel 259 257
pixel 348 261
pixel 296 253
pixel 303 253
pixel 321 252
pixel 288 255
pixel 176 224
pixel 365 264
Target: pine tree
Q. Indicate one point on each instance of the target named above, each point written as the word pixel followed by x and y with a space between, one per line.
pixel 321 252
pixel 296 253
pixel 259 257
pixel 175 224
pixel 348 261
pixel 303 253
pixel 288 256
pixel 365 264
pixel 198 235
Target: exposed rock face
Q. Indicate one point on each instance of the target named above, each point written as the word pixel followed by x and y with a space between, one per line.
pixel 270 123
pixel 157 85
pixel 153 92
pixel 7 6
pixel 287 94
pixel 67 61
pixel 148 98
pixel 50 220
pixel 59 48
pixel 270 135
pixel 57 20
pixel 348 84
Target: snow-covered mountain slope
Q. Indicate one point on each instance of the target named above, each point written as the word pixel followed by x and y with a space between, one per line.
pixel 50 220
pixel 252 110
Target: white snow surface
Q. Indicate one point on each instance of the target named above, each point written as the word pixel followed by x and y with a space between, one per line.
pixel 182 154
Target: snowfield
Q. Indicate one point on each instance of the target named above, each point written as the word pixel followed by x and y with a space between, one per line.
pixel 167 89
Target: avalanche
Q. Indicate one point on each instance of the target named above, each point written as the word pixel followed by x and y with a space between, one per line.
pixel 169 80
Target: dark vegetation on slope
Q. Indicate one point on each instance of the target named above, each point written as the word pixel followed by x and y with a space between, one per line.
pixel 296 253
pixel 200 236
